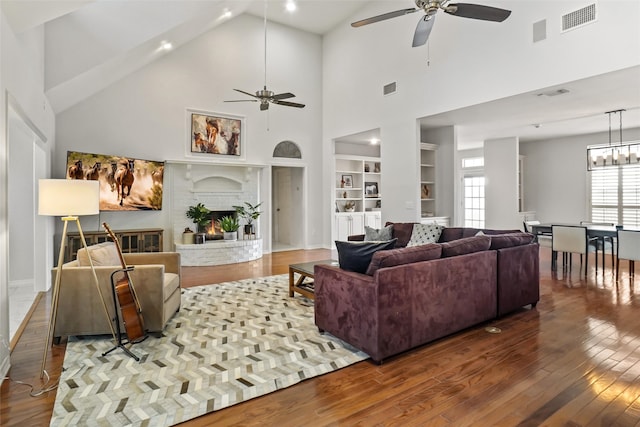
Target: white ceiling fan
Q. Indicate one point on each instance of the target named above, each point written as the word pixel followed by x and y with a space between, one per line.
pixel 266 96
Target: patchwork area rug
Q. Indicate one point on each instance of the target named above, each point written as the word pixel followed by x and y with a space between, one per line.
pixel 229 343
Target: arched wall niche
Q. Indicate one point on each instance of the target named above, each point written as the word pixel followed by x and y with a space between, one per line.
pixel 287 149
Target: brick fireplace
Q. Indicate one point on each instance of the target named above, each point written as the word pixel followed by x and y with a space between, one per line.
pixel 218 187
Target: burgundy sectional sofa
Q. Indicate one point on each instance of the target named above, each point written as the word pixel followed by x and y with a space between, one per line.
pixel 413 295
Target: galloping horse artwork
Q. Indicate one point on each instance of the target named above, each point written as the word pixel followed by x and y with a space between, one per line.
pixel 126 183
pixel 124 178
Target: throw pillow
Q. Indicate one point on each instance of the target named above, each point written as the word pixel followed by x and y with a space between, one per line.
pixel 425 233
pixel 400 256
pixel 101 254
pixel 374 235
pixel 466 245
pixel 356 256
pixel 401 231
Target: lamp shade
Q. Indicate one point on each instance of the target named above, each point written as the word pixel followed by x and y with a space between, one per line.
pixel 68 197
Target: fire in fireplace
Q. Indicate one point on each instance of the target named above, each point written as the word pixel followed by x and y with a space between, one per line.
pixel 214 232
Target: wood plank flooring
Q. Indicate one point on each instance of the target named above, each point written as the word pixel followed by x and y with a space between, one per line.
pixel 574 360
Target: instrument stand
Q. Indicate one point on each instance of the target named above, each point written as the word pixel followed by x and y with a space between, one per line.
pixel 120 343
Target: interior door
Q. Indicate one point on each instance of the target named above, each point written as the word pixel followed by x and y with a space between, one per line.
pixel 282 206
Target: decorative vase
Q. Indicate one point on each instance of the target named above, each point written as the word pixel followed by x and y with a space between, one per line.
pixel 230 235
pixel 248 229
pixel 188 237
pixel 200 238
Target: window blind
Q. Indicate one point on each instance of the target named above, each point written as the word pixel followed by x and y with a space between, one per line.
pixel 615 195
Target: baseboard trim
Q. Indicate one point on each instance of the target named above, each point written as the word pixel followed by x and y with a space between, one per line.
pixel 25 321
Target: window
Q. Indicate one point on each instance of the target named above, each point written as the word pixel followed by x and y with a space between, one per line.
pixel 474 201
pixel 473 162
pixel 615 195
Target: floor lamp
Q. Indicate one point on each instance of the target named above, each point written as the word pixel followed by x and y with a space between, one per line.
pixel 69 199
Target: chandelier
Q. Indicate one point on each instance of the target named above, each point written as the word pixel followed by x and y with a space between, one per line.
pixel 613 154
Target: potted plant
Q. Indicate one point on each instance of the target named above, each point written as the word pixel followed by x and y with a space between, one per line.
pixel 201 216
pixel 249 212
pixel 229 225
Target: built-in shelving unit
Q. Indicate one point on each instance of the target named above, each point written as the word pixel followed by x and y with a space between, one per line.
pixel 357 196
pixel 357 184
pixel 428 188
pixel 427 180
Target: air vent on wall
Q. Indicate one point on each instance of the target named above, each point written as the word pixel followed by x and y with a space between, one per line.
pixel 579 17
pixel 389 89
pixel 539 30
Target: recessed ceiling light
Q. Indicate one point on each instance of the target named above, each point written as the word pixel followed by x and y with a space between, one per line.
pixel 374 141
pixel 291 6
pixel 165 45
pixel 226 14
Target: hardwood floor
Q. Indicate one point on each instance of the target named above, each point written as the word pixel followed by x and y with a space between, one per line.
pixel 574 360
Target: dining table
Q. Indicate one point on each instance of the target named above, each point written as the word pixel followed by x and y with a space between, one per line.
pixel 594 231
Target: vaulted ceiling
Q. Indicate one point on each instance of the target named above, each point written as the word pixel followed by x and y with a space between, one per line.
pixel 90 44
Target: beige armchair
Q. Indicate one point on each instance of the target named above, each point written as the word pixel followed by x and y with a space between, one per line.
pixel 156 277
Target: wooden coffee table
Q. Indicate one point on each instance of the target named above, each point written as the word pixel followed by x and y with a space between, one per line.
pixel 304 270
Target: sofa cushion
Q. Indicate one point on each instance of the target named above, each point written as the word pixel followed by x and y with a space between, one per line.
pixel 500 241
pixel 101 254
pixel 424 233
pixel 455 233
pixel 356 256
pixel 375 235
pixel 466 245
pixel 401 231
pixel 400 256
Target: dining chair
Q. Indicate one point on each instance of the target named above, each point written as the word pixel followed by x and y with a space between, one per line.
pixel 628 248
pixel 543 239
pixel 569 239
pixel 601 242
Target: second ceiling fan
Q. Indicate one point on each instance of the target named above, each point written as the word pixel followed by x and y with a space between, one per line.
pixel 266 96
pixel 431 7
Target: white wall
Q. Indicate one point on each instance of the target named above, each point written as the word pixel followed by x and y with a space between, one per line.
pixel 501 183
pixel 466 62
pixel 556 176
pixel 21 87
pixel 143 115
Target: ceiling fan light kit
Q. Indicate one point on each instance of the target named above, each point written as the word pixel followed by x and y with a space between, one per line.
pixel 266 96
pixel 431 7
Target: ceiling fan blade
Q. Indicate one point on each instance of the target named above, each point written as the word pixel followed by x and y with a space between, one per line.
pixel 383 17
pixel 283 96
pixel 246 93
pixel 477 11
pixel 423 29
pixel 264 106
pixel 289 104
pixel 243 100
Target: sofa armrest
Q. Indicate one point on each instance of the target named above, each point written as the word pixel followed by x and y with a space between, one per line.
pixel 80 307
pixel 346 306
pixel 170 260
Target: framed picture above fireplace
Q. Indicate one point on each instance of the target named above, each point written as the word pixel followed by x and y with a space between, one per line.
pixel 215 135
